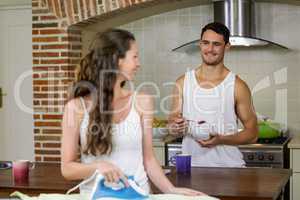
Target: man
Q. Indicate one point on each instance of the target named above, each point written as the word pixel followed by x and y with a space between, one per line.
pixel 211 99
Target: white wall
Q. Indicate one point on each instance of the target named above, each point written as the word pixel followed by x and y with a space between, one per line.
pixel 157 35
pixel 16 135
pixel 14 2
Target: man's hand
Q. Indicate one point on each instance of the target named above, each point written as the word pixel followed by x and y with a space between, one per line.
pixel 213 141
pixel 178 125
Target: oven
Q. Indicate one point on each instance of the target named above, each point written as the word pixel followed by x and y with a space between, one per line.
pixel 272 153
pixel 171 150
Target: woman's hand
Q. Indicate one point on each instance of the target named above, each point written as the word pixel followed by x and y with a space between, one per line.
pixel 112 173
pixel 186 191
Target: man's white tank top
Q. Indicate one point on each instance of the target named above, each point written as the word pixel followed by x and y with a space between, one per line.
pixel 216 107
pixel 127 151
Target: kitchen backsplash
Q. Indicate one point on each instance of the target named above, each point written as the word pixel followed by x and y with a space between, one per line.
pixel 271 73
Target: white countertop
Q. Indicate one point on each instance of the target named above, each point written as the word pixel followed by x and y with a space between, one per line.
pixel 295 142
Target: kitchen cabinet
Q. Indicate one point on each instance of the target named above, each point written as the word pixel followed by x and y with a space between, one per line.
pixel 159 150
pixel 294 146
pixel 296 185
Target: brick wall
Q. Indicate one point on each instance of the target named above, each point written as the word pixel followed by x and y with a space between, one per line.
pixel 56 51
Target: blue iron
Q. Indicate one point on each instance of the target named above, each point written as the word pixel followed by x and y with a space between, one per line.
pixel 105 191
pixel 113 191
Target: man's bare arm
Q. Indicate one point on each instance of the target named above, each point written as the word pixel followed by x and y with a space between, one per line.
pixel 246 113
pixel 176 123
pixel 176 105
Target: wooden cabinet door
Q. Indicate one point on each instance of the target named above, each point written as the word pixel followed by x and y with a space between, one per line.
pixel 295 179
pixel 296 160
pixel 296 186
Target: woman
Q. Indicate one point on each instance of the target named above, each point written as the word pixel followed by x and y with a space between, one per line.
pixel 110 125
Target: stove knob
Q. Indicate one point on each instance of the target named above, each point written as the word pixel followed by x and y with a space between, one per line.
pixel 271 157
pixel 250 157
pixel 261 157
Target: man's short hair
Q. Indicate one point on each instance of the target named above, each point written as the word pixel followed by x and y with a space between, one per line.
pixel 218 28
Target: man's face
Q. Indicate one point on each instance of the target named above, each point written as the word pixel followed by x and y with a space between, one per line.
pixel 212 46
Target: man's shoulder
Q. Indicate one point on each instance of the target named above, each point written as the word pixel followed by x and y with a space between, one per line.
pixel 240 83
pixel 180 79
pixel 241 88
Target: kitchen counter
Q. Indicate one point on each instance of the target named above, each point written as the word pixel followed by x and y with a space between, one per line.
pixel 225 183
pixel 294 143
pixel 44 178
pixel 235 183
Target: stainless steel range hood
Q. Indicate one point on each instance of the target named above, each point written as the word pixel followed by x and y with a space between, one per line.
pixel 239 17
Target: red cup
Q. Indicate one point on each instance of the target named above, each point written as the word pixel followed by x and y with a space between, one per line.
pixel 21 169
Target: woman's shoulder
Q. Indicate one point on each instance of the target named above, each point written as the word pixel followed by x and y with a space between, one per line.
pixel 76 105
pixel 73 112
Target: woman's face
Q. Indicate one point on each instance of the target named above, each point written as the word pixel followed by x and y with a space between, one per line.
pixel 129 65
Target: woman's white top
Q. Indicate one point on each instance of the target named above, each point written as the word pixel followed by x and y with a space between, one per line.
pixel 216 106
pixel 127 147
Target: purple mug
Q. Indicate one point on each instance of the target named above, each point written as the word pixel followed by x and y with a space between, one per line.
pixel 182 162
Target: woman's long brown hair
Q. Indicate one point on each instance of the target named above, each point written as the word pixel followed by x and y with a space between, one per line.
pixel 97 77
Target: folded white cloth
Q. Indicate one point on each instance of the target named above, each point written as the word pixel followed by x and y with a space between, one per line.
pixel 85 197
pixel 50 196
pixel 179 197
